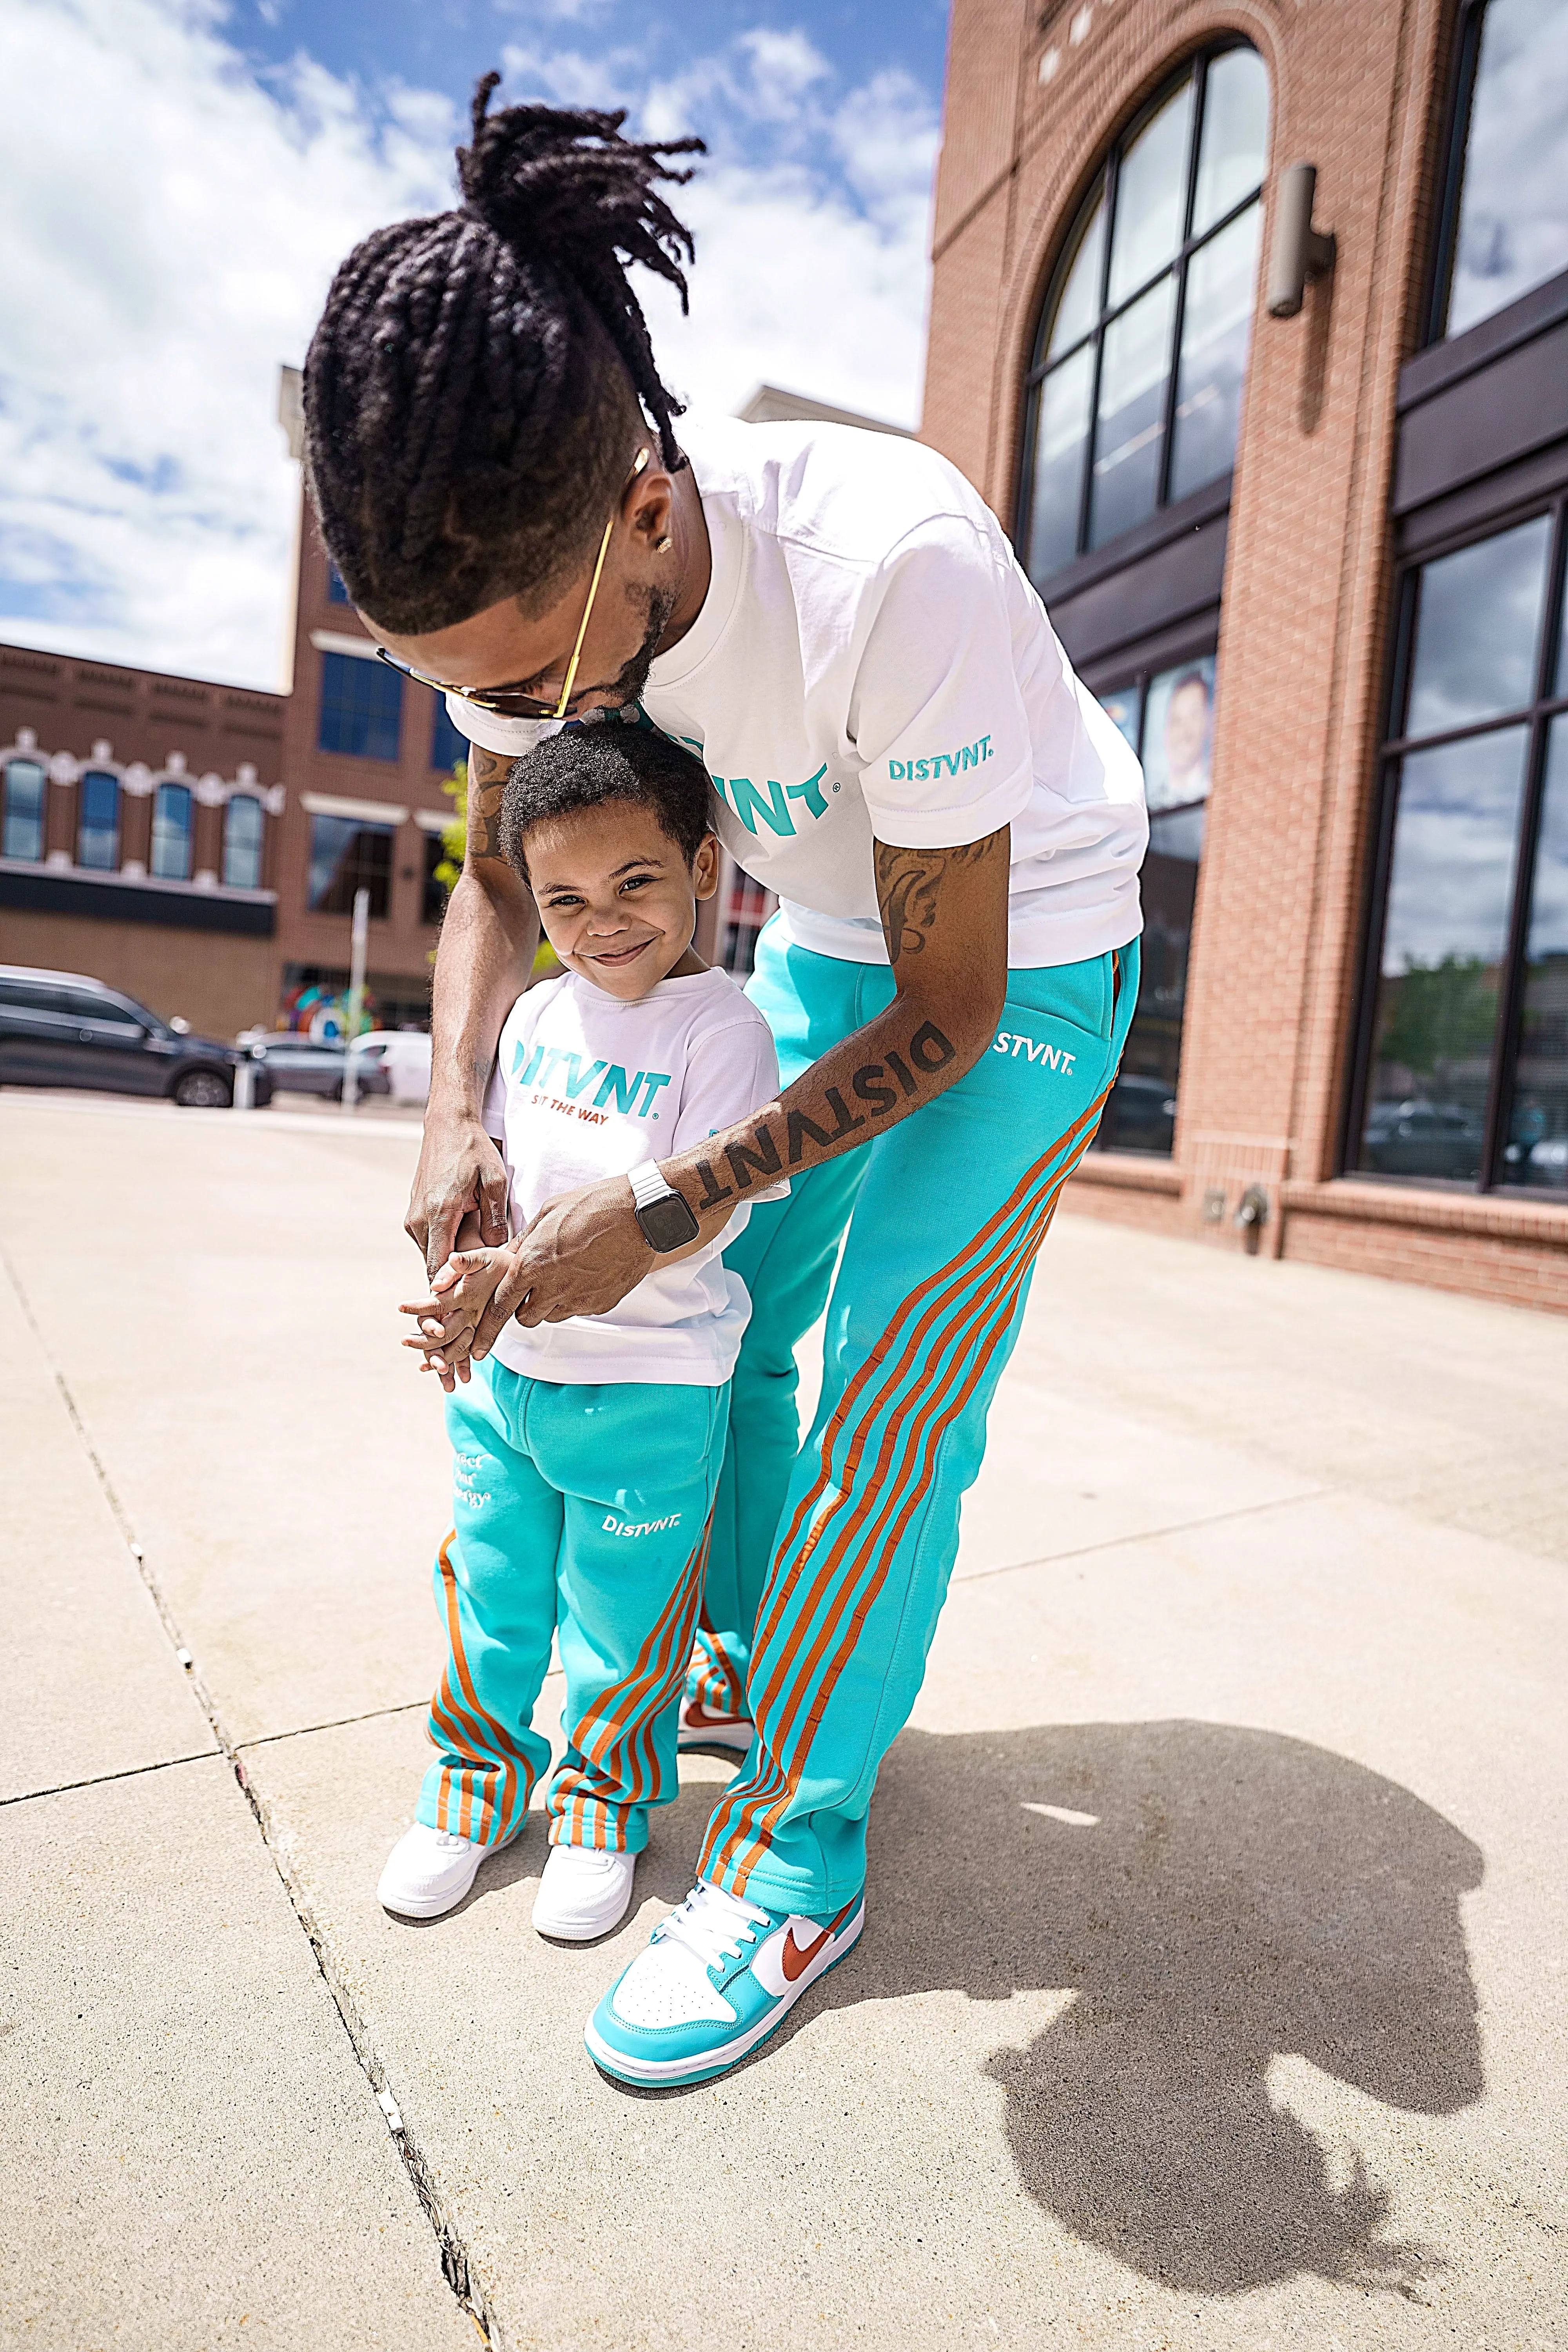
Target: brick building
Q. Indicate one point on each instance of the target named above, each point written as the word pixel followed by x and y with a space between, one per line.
pixel 1313 564
pixel 200 846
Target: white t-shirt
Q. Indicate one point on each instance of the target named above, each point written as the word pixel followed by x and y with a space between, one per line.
pixel 870 659
pixel 587 1087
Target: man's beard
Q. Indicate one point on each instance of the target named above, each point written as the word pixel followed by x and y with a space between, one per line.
pixel 632 679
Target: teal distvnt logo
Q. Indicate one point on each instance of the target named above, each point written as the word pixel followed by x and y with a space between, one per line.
pixel 941 763
pixel 772 804
pixel 540 1068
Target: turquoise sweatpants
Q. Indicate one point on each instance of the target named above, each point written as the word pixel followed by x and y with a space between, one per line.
pixel 581 1510
pixel 830 1563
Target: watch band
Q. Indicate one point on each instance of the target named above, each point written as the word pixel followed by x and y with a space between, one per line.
pixel 667 1219
pixel 648 1183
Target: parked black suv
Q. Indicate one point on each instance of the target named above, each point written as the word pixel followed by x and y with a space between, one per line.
pixel 61 1029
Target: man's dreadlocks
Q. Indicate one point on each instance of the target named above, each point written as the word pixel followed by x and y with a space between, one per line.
pixel 475 391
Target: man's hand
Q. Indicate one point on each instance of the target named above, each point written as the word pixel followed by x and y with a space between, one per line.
pixel 580 1256
pixel 944 917
pixel 460 1171
pixel 446 1321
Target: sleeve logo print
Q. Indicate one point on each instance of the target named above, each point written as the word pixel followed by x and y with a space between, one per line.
pixel 940 764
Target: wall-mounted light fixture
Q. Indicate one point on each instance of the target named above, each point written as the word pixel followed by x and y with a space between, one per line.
pixel 1298 251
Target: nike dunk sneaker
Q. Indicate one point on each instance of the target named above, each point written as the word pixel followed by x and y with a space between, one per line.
pixel 720 1975
pixel 698 1726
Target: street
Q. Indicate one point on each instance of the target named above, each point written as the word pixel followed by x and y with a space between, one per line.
pixel 1211 1990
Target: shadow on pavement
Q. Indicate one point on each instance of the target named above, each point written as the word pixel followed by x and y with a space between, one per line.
pixel 1224 1895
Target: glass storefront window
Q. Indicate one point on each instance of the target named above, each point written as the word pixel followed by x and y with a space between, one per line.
pixel 242 833
pixel 1134 397
pixel 98 822
pixel 1507 226
pixel 24 827
pixel 1466 1063
pixel 171 860
pixel 1168 719
pixel 345 856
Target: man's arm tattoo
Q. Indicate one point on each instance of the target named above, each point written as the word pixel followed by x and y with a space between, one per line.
pixel 908 887
pixel 488 773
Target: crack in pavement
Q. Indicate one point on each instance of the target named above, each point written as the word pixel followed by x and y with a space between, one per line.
pixel 455 2264
pixel 1145 1535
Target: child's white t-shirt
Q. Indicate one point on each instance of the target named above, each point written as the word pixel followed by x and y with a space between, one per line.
pixel 587 1087
pixel 871 661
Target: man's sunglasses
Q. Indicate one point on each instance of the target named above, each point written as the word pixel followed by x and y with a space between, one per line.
pixel 511 702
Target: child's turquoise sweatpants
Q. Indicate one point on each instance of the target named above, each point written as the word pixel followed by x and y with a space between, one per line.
pixel 830 1564
pixel 583 1509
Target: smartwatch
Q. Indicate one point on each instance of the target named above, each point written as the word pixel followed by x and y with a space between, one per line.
pixel 666 1220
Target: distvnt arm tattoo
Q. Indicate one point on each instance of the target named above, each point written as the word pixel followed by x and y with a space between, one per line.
pixel 944 915
pixel 488 773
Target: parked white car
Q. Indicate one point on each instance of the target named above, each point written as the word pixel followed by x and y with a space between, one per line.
pixel 404 1055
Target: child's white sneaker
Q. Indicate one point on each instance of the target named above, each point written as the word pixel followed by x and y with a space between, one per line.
pixel 583 1893
pixel 427 1872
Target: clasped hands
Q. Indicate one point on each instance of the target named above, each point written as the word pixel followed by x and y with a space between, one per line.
pixel 580 1255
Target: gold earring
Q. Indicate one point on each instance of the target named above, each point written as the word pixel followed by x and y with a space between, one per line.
pixel 662 546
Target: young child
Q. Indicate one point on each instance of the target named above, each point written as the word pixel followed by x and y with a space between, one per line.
pixel 586 1453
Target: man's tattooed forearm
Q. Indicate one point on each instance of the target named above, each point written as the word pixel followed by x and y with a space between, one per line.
pixel 908 885
pixel 778 1138
pixel 487 773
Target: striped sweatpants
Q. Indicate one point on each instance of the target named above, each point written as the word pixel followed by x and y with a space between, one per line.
pixel 581 1509
pixel 830 1559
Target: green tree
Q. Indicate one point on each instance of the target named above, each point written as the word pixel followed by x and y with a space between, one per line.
pixel 1440 1013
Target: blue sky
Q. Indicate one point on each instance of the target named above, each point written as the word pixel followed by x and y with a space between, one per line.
pixel 154 271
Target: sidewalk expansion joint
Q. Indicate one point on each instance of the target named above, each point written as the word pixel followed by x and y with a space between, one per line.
pixel 1146 1535
pixel 127 1772
pixel 338 1723
pixel 455 2264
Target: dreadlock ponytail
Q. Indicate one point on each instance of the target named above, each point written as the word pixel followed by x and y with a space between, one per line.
pixel 479 381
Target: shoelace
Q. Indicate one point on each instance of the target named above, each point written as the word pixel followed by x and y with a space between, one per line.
pixel 712 1923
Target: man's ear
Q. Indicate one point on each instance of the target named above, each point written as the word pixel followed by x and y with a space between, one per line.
pixel 705 867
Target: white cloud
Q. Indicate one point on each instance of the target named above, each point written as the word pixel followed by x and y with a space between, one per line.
pixel 155 270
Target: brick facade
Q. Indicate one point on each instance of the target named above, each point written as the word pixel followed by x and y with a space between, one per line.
pixel 1358 89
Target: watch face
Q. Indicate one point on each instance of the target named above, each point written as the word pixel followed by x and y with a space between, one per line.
pixel 669 1225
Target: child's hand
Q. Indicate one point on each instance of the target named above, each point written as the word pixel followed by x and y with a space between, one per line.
pixel 448 1318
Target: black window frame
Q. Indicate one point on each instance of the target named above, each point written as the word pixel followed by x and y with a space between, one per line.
pixel 1537 715
pixel 1464 54
pixel 1104 180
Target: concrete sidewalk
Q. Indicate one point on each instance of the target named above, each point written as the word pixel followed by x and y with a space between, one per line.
pixel 1211 1990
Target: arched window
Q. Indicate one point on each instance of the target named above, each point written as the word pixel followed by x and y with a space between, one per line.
pixel 98 821
pixel 24 831
pixel 171 833
pixel 1134 394
pixel 1505 220
pixel 242 843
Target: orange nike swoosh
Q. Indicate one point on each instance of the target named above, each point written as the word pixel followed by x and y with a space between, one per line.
pixel 795 1959
pixel 697 1717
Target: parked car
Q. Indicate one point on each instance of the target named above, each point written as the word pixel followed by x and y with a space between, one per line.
pixel 315 1065
pixel 405 1054
pixel 1423 1138
pixel 63 1029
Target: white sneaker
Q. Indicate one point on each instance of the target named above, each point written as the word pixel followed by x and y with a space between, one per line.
pixel 583 1893
pixel 427 1872
pixel 697 1727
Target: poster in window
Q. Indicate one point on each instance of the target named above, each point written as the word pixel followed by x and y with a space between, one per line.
pixel 1178 735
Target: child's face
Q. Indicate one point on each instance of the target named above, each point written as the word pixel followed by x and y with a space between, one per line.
pixel 617 900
